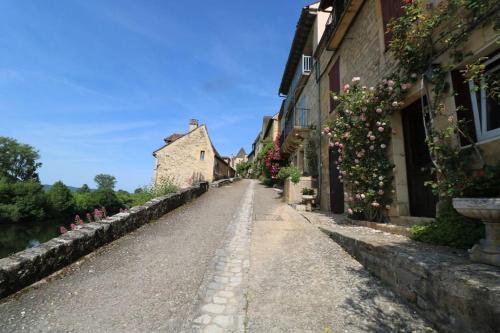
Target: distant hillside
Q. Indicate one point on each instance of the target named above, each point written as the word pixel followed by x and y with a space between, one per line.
pixel 71 188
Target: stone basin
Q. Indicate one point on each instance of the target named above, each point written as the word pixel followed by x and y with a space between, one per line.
pixel 488 211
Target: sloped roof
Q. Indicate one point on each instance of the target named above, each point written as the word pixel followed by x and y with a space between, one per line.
pixel 172 137
pixel 241 153
pixel 302 30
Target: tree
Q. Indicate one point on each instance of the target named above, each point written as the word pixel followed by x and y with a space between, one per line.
pixel 21 201
pixel 105 181
pixel 60 200
pixel 18 161
pixel 108 199
pixel 84 189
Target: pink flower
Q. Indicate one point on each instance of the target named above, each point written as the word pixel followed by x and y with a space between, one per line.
pixel 63 230
pixel 73 226
pixel 362 117
pixel 372 147
pixel 381 192
pixel 379 110
pixel 349 210
pixel 375 204
pixel 372 137
pixel 380 129
pixel 346 87
pixel 390 83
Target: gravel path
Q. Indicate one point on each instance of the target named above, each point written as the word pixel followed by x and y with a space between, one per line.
pixel 301 281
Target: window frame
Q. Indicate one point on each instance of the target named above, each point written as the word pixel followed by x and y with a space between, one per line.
pixel 202 155
pixel 479 111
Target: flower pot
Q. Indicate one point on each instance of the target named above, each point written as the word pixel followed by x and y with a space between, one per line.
pixel 488 211
pixel 308 200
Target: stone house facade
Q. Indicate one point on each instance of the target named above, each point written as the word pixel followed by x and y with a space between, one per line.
pixel 355 45
pixel 299 116
pixel 190 158
pixel 241 157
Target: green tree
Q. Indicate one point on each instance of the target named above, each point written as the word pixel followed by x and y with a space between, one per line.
pixel 105 181
pixel 18 162
pixel 107 198
pixel 60 200
pixel 84 189
pixel 21 201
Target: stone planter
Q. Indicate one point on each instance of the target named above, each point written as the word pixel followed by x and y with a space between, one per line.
pixel 308 200
pixel 488 211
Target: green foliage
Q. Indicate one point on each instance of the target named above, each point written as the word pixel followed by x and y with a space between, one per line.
pixel 60 200
pixel 84 189
pixel 21 201
pixel 164 186
pixel 307 191
pixel 311 151
pixel 242 168
pixel 105 181
pixel 449 229
pixel 18 161
pixel 291 172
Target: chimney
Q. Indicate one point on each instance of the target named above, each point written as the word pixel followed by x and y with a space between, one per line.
pixel 193 124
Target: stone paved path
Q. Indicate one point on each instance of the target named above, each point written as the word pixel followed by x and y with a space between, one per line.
pixel 223 305
pixel 235 260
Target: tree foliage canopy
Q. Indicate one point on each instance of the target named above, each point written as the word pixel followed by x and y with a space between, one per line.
pixel 18 162
pixel 105 181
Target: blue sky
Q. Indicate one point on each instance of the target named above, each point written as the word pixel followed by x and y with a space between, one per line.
pixel 95 85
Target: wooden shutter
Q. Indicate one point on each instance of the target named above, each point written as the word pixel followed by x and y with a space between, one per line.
pixel 334 77
pixel 390 9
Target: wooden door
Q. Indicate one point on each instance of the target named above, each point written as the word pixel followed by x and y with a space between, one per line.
pixel 336 187
pixel 418 163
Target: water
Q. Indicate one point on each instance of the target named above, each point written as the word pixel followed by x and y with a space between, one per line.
pixel 16 237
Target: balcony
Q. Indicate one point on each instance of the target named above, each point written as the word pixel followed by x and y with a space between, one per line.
pixel 341 17
pixel 297 126
pixel 301 72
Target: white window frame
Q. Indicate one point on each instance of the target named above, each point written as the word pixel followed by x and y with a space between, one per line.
pixel 480 119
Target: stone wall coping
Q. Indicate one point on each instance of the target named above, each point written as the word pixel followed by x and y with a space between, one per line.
pixel 454 293
pixel 28 266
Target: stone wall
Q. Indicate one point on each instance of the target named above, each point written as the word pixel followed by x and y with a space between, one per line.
pixel 26 267
pixel 449 290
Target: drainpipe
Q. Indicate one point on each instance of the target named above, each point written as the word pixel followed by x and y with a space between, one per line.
pixel 318 68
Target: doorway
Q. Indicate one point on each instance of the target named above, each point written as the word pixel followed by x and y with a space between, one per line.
pixel 336 186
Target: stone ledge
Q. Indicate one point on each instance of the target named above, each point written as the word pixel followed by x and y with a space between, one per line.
pixel 448 289
pixel 221 182
pixel 26 267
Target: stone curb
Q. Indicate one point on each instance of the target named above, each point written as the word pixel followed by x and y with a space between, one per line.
pixel 26 267
pixel 450 291
pixel 221 182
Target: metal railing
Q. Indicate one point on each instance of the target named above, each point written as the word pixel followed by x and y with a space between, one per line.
pixel 298 118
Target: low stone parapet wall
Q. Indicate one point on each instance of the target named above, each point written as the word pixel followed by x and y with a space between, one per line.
pixel 26 267
pixel 221 182
pixel 448 289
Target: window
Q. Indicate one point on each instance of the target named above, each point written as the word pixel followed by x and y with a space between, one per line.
pixel 202 155
pixel 486 108
pixel 390 9
pixel 334 77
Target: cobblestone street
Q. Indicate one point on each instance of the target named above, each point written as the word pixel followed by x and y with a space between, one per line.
pixel 237 259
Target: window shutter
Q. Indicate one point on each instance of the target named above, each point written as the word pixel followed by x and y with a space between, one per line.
pixel 390 9
pixel 334 77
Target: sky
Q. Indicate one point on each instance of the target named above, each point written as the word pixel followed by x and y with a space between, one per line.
pixel 95 85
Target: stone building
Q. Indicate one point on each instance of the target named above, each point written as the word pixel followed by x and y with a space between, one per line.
pixel 190 158
pixel 241 157
pixel 355 44
pixel 299 116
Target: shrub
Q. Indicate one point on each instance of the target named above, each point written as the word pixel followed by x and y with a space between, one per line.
pixel 291 172
pixel 307 191
pixel 449 229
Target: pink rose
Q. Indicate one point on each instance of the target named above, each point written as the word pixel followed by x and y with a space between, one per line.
pixel 380 129
pixel 346 87
pixel 379 110
pixel 372 137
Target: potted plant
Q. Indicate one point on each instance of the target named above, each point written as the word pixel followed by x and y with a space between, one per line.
pixel 308 193
pixel 482 201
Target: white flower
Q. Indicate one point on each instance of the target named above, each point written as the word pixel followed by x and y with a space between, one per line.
pixel 383 146
pixel 381 178
pixel 335 98
pixel 362 196
pixel 356 78
pixel 395 104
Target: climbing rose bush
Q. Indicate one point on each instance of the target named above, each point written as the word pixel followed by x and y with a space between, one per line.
pixel 274 158
pixel 361 132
